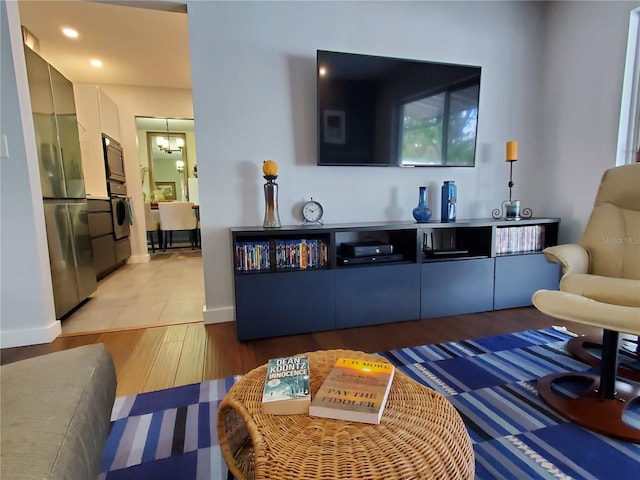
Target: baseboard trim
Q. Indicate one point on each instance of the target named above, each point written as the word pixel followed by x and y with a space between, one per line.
pixel 139 258
pixel 218 315
pixel 30 336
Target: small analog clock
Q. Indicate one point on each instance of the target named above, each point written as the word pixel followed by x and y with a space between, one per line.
pixel 312 212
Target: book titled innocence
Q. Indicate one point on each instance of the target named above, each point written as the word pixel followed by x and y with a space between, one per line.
pixel 286 386
pixel 355 390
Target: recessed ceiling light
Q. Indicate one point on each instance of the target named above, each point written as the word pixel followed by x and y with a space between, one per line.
pixel 96 63
pixel 70 32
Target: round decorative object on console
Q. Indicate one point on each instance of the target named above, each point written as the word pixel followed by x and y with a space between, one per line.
pixel 269 168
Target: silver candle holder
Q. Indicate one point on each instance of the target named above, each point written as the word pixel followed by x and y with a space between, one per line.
pixel 510 209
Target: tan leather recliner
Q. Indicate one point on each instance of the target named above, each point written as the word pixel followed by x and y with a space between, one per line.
pixel 601 287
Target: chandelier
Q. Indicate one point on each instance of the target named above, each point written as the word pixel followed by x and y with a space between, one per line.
pixel 164 144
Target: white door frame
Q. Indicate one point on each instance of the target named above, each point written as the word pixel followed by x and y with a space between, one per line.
pixel 629 130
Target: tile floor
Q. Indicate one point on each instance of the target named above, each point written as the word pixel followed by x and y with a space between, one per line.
pixel 167 290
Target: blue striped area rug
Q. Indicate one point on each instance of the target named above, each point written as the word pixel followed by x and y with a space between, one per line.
pixel 171 434
pixel 167 435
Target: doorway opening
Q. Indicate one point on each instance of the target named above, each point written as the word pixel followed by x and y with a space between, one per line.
pixel 167 158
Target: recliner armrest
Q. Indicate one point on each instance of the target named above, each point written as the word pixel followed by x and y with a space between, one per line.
pixel 587 311
pixel 614 291
pixel 572 257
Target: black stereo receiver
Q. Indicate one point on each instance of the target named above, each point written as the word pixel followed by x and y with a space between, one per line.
pixel 366 249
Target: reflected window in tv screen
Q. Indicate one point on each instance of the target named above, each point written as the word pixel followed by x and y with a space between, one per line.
pixel 380 111
pixel 440 129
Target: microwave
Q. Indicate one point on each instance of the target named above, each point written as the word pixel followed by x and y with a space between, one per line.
pixel 113 159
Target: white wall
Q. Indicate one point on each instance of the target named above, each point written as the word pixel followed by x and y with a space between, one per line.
pixel 585 48
pixel 253 71
pixel 27 314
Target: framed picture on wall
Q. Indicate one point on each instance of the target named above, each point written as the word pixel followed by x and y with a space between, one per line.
pixel 334 126
pixel 168 190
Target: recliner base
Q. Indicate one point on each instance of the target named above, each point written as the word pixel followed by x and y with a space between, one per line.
pixel 578 346
pixel 592 411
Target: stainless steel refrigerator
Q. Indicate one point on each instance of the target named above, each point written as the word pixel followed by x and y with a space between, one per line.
pixel 65 206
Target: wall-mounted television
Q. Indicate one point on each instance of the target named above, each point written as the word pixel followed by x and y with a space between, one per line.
pixel 381 111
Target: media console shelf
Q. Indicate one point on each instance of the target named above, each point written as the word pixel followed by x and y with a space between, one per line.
pixel 294 279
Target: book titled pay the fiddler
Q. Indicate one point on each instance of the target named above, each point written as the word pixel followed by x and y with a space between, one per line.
pixel 355 390
pixel 286 388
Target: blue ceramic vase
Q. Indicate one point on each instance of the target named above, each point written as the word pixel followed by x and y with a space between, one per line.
pixel 449 205
pixel 422 213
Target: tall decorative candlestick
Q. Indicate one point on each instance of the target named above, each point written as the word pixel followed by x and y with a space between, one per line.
pixel 271 215
pixel 512 156
pixel 511 208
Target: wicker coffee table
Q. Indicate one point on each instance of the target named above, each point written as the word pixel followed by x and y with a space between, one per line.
pixel 420 436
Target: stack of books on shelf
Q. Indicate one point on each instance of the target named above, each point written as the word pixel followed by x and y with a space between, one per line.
pixel 300 254
pixel 288 254
pixel 252 256
pixel 528 238
pixel 354 390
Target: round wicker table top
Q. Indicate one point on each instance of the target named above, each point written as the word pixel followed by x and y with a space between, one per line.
pixel 420 436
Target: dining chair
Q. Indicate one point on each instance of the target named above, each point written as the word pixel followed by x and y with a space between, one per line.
pixel 152 225
pixel 177 216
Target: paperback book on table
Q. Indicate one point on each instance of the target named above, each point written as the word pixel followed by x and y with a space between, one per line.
pixel 355 390
pixel 286 387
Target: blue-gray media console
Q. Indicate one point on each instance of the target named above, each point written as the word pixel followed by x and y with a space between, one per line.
pixel 297 279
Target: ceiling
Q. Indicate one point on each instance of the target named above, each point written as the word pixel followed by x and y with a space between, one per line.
pixel 145 43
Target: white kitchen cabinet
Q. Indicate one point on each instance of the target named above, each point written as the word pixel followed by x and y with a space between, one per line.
pixel 89 130
pixel 109 120
pixel 97 114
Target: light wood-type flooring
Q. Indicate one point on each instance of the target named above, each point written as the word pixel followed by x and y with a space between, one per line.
pixel 155 358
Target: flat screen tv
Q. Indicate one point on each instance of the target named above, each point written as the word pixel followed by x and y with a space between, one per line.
pixel 380 111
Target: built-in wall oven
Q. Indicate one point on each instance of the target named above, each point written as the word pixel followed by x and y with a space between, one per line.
pixel 113 158
pixel 117 188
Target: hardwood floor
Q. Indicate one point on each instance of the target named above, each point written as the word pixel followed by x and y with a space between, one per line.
pixel 160 357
